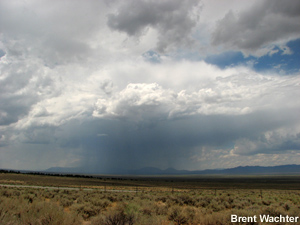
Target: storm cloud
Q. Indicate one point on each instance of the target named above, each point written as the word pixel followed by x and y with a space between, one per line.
pixel 78 86
pixel 173 20
pixel 256 29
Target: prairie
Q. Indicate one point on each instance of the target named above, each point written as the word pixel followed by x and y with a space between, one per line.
pixel 144 200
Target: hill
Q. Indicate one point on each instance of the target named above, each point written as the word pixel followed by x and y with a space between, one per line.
pixel 241 170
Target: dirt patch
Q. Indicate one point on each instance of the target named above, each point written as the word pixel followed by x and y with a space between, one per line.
pixel 160 203
pixel 113 205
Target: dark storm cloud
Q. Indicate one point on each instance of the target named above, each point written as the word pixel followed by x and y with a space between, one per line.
pixel 173 20
pixel 14 108
pixel 168 127
pixel 264 23
pixel 290 8
pixel 22 84
pixel 116 145
pixel 38 135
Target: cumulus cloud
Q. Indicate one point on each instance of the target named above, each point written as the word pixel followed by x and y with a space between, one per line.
pixel 256 29
pixel 136 102
pixel 275 141
pixel 231 95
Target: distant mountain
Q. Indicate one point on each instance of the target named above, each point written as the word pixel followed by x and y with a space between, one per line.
pixel 241 170
pixel 64 170
pixel 283 169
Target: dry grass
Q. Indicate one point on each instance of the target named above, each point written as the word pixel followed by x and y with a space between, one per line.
pixel 150 205
pixel 37 206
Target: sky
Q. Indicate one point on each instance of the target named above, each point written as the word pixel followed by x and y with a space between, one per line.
pixel 120 85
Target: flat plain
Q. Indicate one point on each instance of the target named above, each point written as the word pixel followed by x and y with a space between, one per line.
pixel 46 199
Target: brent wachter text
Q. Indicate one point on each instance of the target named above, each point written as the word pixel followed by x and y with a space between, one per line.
pixel 264 219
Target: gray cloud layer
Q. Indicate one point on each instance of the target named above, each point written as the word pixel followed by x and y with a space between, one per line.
pixel 174 20
pixel 264 23
pixel 76 90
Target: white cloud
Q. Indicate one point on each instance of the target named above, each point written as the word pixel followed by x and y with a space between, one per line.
pixel 233 94
pixel 270 142
pixel 137 102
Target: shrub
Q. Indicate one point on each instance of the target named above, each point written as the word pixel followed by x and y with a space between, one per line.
pixel 160 209
pixel 102 203
pixel 85 210
pixel 117 216
pixel 273 211
pixel 147 211
pixel 175 214
pixel 16 211
pixel 187 200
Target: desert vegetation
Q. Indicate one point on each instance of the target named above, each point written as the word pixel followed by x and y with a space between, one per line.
pixel 142 205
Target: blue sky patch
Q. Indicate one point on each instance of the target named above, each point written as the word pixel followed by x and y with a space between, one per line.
pixel 2 53
pixel 279 62
pixel 152 56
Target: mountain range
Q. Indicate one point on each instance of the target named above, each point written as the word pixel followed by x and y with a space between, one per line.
pixel 241 170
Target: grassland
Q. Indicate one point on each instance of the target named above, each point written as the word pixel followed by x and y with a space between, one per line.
pixel 152 200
